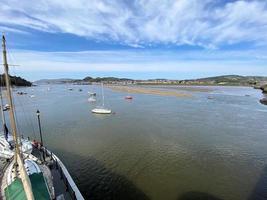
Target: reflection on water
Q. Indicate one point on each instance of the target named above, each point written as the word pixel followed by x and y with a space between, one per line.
pixel 155 147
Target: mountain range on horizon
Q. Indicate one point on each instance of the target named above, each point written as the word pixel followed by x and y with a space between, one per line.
pixel 224 79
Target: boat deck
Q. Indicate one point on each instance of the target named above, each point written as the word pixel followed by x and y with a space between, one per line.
pixel 63 187
pixel 60 184
pixel 3 166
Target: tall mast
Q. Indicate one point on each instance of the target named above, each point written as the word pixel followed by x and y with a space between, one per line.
pixel 18 160
pixel 103 98
pixel 11 113
pixel 2 105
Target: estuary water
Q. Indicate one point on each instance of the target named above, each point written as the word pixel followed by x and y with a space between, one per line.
pixel 212 145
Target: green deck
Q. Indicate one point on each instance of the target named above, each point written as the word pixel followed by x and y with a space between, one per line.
pixel 15 191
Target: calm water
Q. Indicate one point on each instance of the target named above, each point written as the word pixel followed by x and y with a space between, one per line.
pixel 155 147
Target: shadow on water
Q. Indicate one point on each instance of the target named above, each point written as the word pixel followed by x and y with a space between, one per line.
pixel 193 195
pixel 260 190
pixel 97 182
pixel 258 193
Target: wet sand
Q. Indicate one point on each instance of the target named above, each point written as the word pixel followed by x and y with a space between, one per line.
pixel 153 91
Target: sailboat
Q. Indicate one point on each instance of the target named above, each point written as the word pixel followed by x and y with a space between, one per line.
pixel 38 176
pixel 102 109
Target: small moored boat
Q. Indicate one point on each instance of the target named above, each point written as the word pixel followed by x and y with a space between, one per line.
pixel 101 111
pixel 92 93
pixel 128 97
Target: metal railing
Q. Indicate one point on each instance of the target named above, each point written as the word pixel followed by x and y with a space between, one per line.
pixel 70 185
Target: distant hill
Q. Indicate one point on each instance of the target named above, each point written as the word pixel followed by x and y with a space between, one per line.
pixel 15 81
pixel 106 79
pixel 87 79
pixel 217 80
pixel 55 81
pixel 227 80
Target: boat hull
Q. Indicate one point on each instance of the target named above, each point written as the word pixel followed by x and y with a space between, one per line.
pixel 129 97
pixel 101 111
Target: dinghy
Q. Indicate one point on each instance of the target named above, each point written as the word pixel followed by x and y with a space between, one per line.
pixel 128 97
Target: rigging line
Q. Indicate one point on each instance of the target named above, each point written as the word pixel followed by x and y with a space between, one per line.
pixel 2 104
pixel 27 118
pixel 4 124
pixel 14 85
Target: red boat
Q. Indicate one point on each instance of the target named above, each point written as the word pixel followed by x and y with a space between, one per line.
pixel 128 97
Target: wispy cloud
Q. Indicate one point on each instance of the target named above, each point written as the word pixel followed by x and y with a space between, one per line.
pixel 12 30
pixel 145 61
pixel 138 23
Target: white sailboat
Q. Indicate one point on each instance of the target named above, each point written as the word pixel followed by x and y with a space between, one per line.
pixel 30 177
pixel 102 109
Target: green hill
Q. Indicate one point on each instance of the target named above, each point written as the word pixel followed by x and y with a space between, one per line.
pixel 15 81
pixel 227 80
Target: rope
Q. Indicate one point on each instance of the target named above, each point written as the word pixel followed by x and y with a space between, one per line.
pixel 27 118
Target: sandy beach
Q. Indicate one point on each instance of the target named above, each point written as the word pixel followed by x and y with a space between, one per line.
pixel 153 91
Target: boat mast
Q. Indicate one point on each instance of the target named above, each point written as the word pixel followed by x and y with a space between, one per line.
pixel 18 160
pixel 2 109
pixel 103 99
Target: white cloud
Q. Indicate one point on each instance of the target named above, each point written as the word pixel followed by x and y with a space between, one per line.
pixel 145 61
pixel 207 23
pixel 13 30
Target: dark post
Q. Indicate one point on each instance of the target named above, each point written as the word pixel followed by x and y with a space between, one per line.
pixel 39 125
pixel 40 131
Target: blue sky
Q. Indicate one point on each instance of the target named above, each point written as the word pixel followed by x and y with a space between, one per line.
pixel 176 39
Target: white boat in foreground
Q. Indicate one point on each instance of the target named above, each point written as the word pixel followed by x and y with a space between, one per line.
pixel 101 111
pixel 7 146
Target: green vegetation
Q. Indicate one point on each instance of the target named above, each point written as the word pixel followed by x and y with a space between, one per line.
pixel 264 88
pixel 15 81
pixel 106 79
pixel 86 80
pixel 234 80
pixel 227 80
